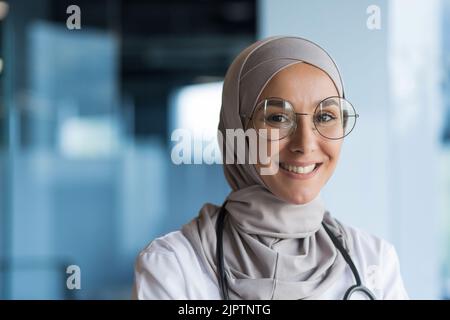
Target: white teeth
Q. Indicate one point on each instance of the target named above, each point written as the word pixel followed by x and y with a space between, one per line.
pixel 301 170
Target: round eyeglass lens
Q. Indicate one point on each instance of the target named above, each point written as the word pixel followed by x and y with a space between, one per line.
pixel 274 116
pixel 334 118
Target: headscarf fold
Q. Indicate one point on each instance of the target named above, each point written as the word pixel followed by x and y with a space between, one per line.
pixel 272 249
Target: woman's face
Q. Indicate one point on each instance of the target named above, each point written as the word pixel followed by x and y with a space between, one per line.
pixel 304 86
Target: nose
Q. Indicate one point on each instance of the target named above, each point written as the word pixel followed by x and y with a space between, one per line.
pixel 303 140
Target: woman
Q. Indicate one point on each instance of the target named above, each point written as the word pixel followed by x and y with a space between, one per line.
pixel 273 238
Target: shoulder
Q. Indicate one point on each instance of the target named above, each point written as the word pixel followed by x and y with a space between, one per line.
pixel 170 249
pixel 171 243
pixel 163 267
pixel 378 262
pixel 157 271
pixel 368 248
pixel 366 242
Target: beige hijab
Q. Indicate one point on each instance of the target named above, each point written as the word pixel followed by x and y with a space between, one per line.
pixel 272 249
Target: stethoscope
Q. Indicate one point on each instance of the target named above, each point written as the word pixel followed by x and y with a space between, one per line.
pixel 358 287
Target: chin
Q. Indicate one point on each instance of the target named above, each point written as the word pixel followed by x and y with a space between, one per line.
pixel 299 198
pixel 302 200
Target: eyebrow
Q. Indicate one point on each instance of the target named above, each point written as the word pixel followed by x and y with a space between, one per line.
pixel 326 102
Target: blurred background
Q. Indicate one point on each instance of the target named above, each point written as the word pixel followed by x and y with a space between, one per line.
pixel 87 115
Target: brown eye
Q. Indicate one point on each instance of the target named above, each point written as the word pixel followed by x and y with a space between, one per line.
pixel 277 118
pixel 324 118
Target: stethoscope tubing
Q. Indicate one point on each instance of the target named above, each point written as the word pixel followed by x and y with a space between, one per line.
pixel 223 284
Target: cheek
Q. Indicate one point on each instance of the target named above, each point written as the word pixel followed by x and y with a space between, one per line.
pixel 332 148
pixel 332 151
pixel 272 150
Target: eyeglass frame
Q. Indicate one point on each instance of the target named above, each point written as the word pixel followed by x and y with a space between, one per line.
pixel 356 115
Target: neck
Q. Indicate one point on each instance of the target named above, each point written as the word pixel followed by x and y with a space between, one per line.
pixel 255 210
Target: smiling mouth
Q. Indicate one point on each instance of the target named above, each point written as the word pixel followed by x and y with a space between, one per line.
pixel 298 169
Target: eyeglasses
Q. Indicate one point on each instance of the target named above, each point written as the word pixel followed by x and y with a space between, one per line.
pixel 333 118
